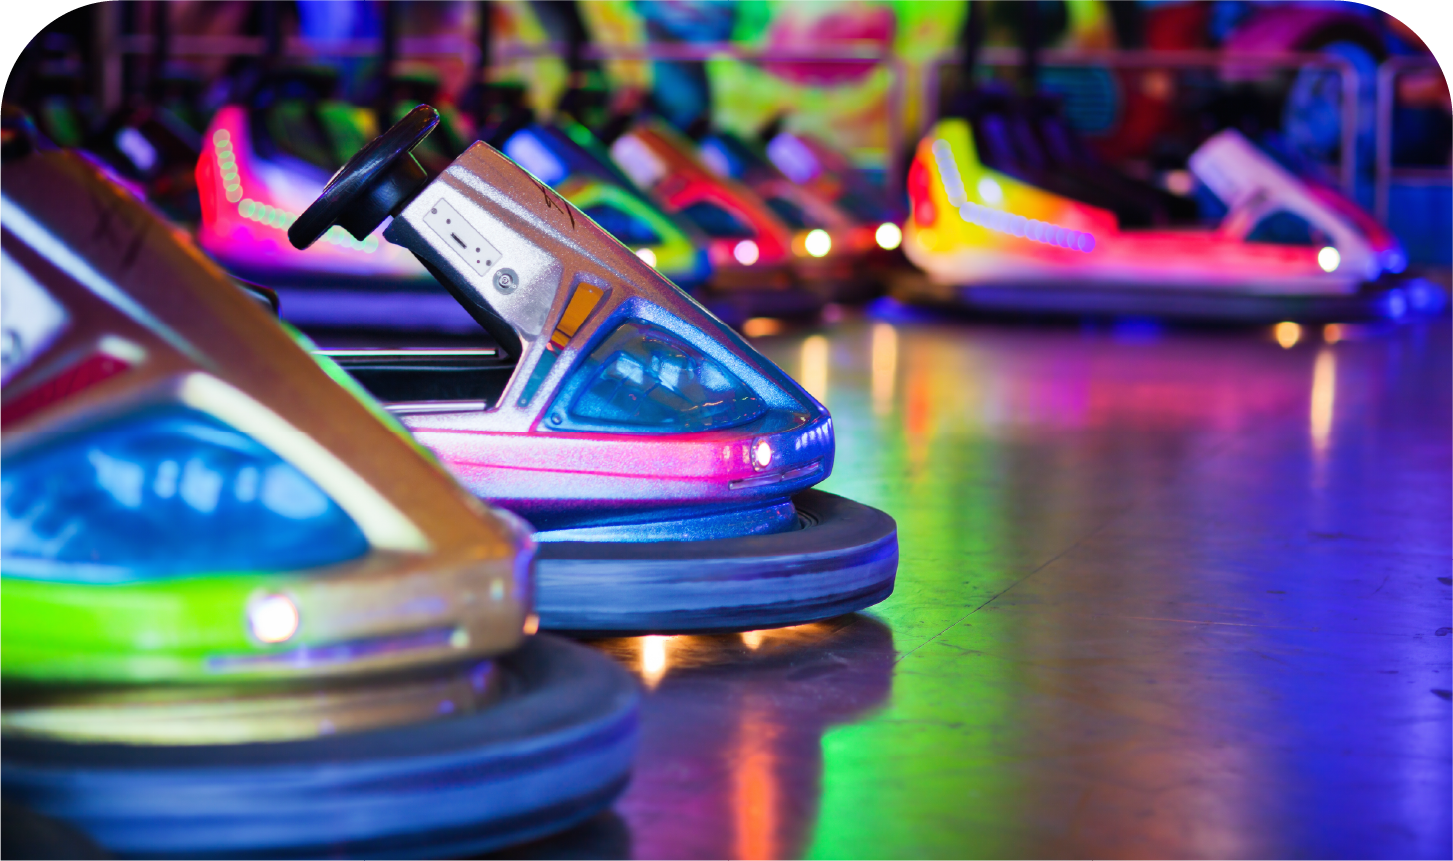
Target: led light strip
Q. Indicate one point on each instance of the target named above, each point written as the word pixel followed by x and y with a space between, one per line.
pixel 996 220
pixel 227 165
pixel 1027 228
pixel 271 216
pixel 281 219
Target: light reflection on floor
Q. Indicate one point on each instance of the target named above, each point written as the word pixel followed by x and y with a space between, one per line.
pixel 1162 593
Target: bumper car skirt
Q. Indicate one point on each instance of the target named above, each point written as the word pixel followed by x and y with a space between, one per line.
pixel 1367 305
pixel 553 750
pixel 843 559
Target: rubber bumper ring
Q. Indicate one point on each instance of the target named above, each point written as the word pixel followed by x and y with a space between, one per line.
pixel 27 834
pixel 552 752
pixel 844 558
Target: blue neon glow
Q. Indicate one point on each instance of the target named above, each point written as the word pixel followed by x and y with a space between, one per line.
pixel 531 154
pixel 644 379
pixel 164 493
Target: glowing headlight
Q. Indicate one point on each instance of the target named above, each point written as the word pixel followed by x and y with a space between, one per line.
pixel 746 252
pixel 761 454
pixel 647 255
pixel 1329 259
pixel 889 236
pixel 990 192
pixel 1287 334
pixel 818 243
pixel 273 618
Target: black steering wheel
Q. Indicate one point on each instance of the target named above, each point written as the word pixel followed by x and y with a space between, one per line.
pixel 376 182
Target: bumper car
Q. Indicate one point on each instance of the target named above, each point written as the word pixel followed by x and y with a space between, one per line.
pixel 750 246
pixel 245 614
pixel 1011 212
pixel 261 165
pixel 810 162
pixel 565 156
pixel 666 464
pixel 1286 249
pixel 833 252
pixel 559 158
pixel 143 144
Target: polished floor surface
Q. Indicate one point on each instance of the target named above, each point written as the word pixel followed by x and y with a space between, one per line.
pixel 1163 593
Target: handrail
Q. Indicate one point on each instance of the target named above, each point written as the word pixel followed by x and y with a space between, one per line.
pixel 452 45
pixel 1383 173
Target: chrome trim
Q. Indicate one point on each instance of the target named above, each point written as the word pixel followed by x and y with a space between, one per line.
pixel 404 408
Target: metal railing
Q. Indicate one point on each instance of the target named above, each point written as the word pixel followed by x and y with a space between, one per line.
pixel 1229 64
pixel 297 46
pixel 1383 173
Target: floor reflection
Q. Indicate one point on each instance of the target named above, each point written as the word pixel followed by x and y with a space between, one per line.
pixel 1162 593
pixel 731 731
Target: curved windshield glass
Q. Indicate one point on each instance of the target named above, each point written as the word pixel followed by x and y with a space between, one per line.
pixel 789 212
pixel 1286 228
pixel 166 492
pixel 622 225
pixel 643 379
pixel 716 221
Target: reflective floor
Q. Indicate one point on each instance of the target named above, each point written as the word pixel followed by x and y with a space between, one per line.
pixel 1163 593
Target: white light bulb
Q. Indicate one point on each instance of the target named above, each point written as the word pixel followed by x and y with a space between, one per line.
pixel 818 243
pixel 1329 259
pixel 746 252
pixel 990 192
pixel 273 618
pixel 889 236
pixel 647 255
pixel 762 454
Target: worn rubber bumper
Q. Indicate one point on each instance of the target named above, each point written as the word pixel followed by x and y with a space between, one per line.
pixel 553 750
pixel 844 558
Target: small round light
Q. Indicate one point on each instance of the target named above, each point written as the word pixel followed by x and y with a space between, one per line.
pixel 647 255
pixel 889 236
pixel 746 252
pixel 1287 334
pixel 818 243
pixel 273 618
pixel 759 327
pixel 1397 304
pixel 1181 182
pixel 1329 259
pixel 990 192
pixel 761 454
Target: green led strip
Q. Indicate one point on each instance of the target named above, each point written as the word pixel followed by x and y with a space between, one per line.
pixel 281 219
pixel 227 165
